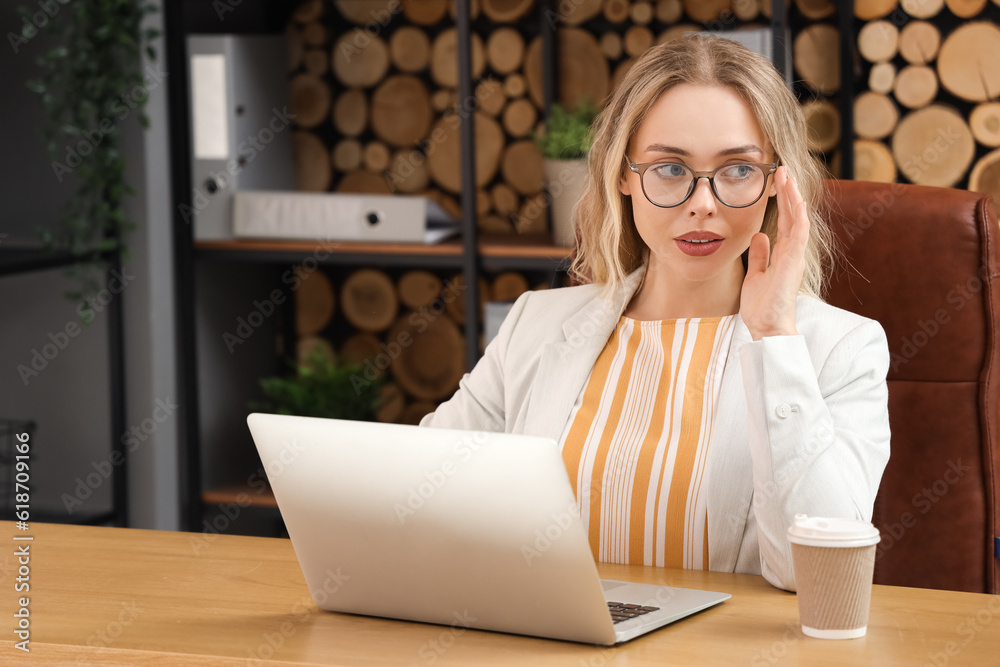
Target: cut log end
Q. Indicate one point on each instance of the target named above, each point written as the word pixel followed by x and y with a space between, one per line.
pixel 823 123
pixel 314 304
pixel 368 299
pixel 418 289
pixel 817 57
pixel 916 146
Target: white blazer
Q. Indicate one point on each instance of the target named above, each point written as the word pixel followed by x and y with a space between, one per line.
pixel 803 423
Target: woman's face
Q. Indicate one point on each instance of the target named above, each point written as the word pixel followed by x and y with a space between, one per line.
pixel 702 127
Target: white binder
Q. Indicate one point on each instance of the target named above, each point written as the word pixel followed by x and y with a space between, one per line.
pixel 241 125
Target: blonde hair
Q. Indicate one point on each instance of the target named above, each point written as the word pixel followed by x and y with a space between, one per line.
pixel 608 245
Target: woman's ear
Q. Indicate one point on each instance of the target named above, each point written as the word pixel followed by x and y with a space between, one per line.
pixel 623 185
pixel 773 190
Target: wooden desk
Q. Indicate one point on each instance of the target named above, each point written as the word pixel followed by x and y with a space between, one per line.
pixel 110 596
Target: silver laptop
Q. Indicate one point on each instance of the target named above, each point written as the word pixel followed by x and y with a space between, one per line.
pixel 462 528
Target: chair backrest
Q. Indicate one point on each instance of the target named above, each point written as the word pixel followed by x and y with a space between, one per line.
pixel 924 263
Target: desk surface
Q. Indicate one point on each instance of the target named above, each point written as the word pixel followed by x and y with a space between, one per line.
pixel 110 596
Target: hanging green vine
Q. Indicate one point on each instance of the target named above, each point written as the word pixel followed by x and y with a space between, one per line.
pixel 89 82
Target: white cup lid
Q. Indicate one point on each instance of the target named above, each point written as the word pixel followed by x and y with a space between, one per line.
pixel 822 532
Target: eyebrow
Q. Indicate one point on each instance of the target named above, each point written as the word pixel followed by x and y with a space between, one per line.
pixel 736 150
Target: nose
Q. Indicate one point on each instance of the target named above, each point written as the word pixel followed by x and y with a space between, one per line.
pixel 702 201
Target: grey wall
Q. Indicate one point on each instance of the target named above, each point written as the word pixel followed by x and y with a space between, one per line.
pixel 69 398
pixel 153 404
pixel 32 195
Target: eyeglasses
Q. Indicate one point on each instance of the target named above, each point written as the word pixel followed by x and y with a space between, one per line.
pixel 670 184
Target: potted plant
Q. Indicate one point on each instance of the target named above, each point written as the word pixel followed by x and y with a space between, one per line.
pixel 320 388
pixel 89 81
pixel 564 147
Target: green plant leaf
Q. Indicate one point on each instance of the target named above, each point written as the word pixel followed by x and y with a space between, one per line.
pixel 95 60
pixel 567 134
pixel 320 388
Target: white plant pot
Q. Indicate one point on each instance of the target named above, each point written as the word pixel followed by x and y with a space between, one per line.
pixel 564 181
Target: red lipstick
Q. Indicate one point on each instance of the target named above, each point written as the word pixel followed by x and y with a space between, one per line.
pixel 699 243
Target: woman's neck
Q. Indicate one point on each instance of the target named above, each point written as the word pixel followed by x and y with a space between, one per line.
pixel 665 296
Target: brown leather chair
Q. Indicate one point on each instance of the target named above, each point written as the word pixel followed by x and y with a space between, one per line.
pixel 924 263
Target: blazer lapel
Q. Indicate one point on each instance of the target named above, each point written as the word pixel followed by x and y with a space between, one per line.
pixel 562 372
pixel 730 487
pixel 565 366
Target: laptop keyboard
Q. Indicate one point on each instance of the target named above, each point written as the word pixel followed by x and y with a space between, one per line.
pixel 622 611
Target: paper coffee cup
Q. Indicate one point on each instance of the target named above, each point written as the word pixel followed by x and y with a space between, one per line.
pixel 834 560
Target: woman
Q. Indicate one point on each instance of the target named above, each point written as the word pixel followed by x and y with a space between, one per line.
pixel 700 390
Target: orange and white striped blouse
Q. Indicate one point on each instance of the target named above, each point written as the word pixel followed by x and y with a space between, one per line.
pixel 637 442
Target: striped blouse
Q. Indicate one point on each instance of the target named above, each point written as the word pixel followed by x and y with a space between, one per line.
pixel 637 441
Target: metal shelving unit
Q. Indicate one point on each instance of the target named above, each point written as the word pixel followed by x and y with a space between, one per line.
pixel 845 23
pixel 495 254
pixel 20 261
pixel 17 261
pixel 471 254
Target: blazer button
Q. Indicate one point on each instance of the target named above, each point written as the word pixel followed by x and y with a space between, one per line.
pixel 783 410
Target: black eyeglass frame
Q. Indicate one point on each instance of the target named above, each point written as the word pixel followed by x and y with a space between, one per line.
pixel 641 168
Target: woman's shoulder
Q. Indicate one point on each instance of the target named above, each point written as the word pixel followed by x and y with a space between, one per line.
pixel 548 312
pixel 560 299
pixel 814 316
